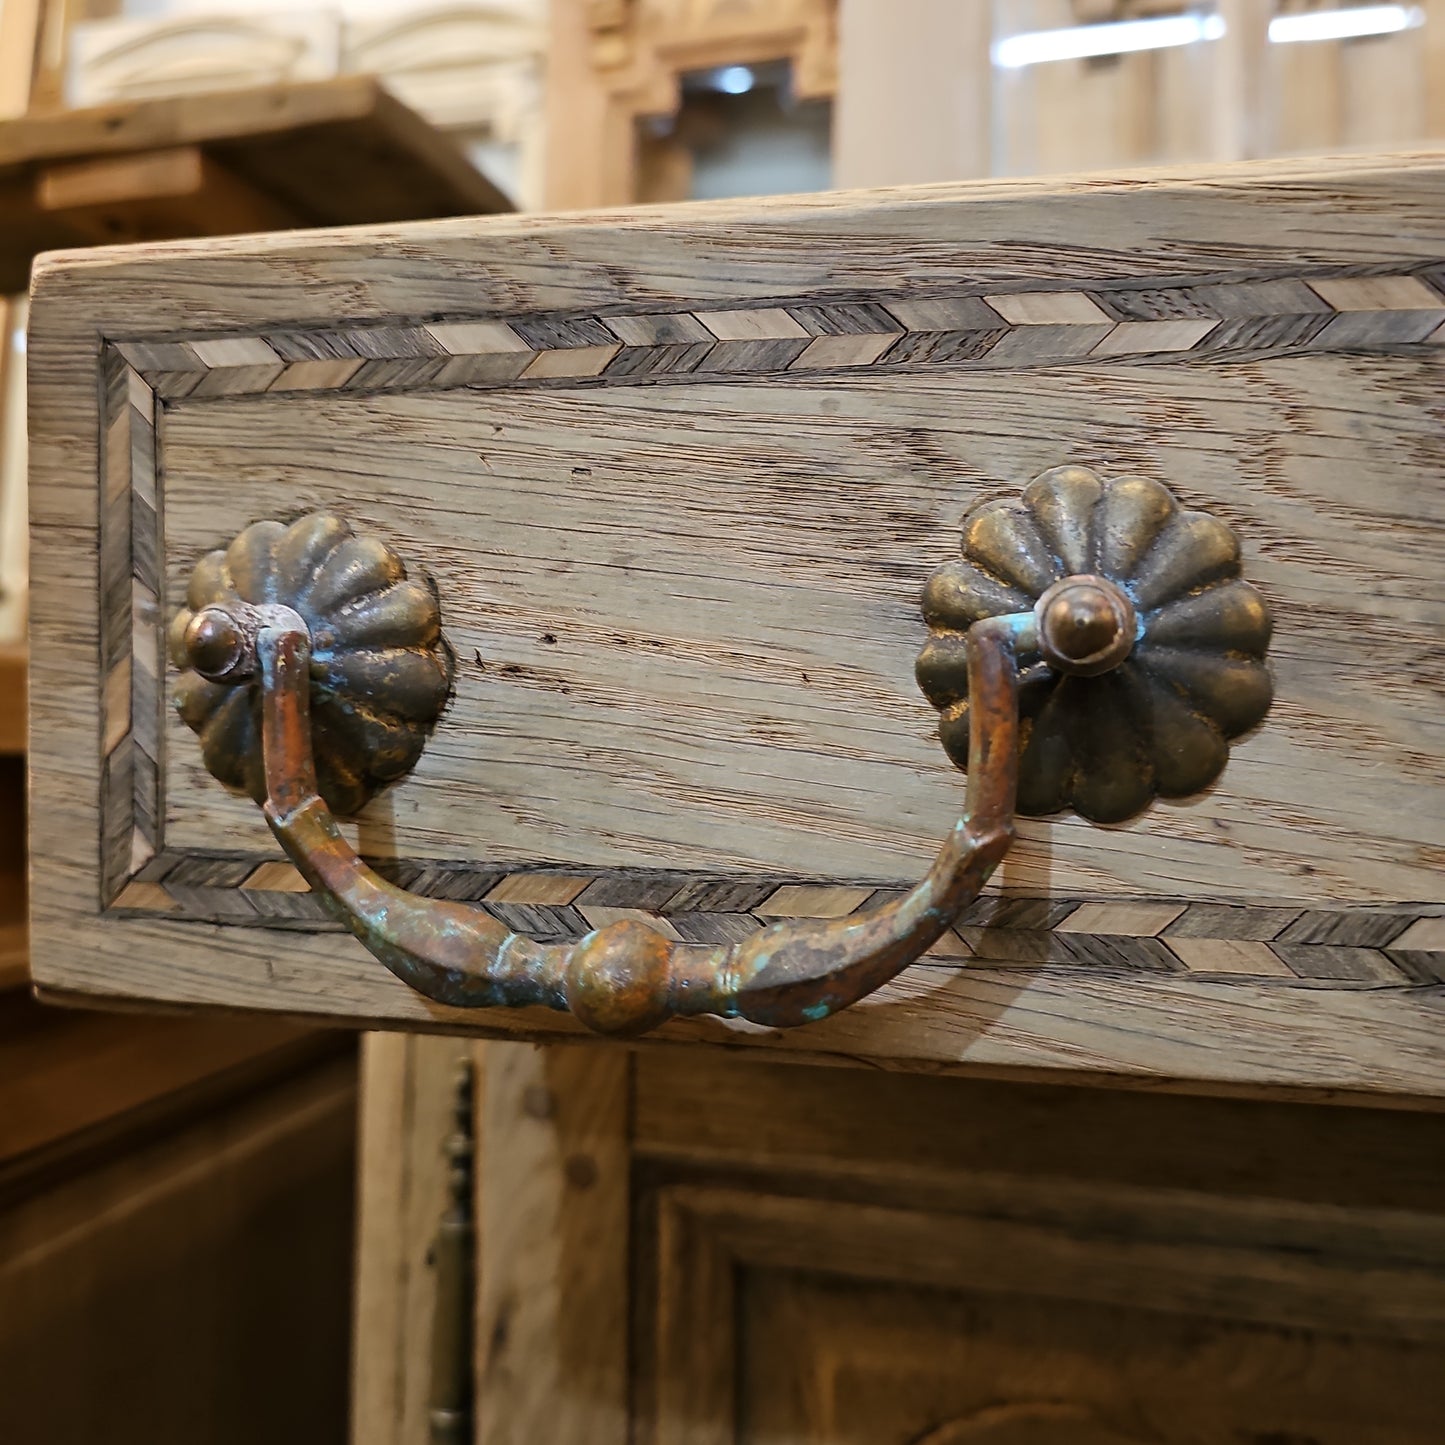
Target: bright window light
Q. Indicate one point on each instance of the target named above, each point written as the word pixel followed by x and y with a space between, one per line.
pixel 1035 47
pixel 1345 24
pixel 734 80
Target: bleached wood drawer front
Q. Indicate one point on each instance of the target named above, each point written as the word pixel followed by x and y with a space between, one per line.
pixel 674 481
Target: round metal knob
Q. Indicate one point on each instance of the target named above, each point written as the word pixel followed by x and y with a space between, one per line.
pixel 214 645
pixel 1150 644
pixel 380 670
pixel 1086 625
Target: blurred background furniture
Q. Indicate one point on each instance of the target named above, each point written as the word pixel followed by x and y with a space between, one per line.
pixel 603 102
pixel 471 70
pixel 650 99
pixel 176 1229
pixel 320 153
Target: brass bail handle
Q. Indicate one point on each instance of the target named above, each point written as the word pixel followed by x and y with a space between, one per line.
pixel 625 978
pixel 1141 660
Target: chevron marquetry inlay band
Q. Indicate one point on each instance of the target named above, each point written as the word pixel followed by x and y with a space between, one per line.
pixel 1204 319
pixel 1290 944
pixel 995 330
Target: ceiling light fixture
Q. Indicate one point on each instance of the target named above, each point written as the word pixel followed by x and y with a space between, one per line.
pixel 1348 24
pixel 1036 47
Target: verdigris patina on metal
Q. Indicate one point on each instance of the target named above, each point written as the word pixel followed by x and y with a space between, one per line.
pixel 1168 641
pixel 627 978
pixel 1094 636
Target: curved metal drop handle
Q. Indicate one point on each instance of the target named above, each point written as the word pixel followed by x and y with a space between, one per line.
pixel 627 978
pixel 1143 656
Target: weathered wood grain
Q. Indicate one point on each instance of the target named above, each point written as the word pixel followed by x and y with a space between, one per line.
pixel 685 613
pixel 552 1269
pixel 952 1262
pixel 686 628
pixel 407 1104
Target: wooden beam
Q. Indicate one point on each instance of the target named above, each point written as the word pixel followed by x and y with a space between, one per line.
pixel 1236 113
pixel 552 1166
pixel 1433 41
pixel 57 17
pixel 591 146
pixel 408 1096
pixel 14 517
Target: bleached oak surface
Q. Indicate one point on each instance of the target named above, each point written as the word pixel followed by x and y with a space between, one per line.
pixel 685 612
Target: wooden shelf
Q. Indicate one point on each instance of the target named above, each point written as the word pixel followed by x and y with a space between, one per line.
pixel 325 153
pixel 14 670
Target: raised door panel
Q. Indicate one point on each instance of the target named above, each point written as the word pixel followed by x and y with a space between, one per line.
pixel 825 1259
pixel 679 476
pixel 681 1248
pixel 838 1362
pixel 799 1318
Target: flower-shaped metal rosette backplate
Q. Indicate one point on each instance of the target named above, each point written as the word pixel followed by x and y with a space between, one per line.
pixel 1157 724
pixel 380 668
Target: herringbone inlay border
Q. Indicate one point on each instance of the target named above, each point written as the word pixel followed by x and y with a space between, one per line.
pixel 999 329
pixel 1213 318
pixel 132 659
pixel 1291 944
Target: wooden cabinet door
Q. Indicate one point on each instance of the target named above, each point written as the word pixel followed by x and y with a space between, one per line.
pixel 687 1250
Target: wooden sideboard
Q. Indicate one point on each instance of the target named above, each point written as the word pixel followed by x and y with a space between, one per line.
pixel 677 477
pixel 678 509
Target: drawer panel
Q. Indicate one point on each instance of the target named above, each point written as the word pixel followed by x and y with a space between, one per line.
pixel 679 476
